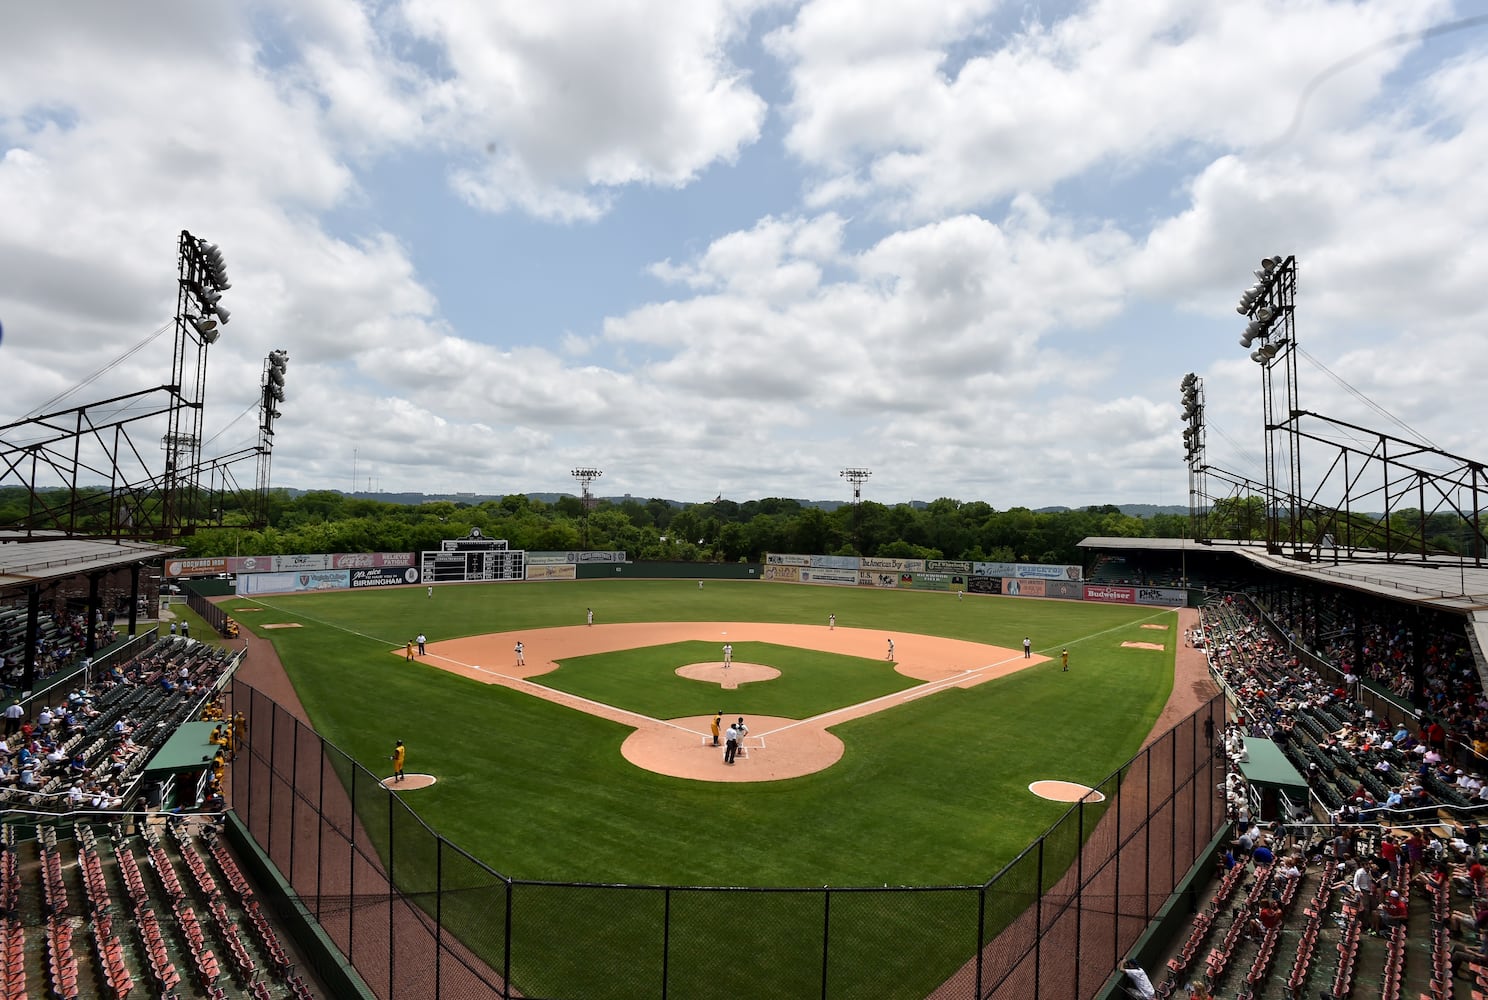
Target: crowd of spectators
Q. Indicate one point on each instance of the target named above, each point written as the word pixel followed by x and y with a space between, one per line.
pixel 83 747
pixel 61 642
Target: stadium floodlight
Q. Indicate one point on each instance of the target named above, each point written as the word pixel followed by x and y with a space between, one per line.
pixel 221 312
pixel 201 324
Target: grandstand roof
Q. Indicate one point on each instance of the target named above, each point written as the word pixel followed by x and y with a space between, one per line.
pixel 1441 582
pixel 30 558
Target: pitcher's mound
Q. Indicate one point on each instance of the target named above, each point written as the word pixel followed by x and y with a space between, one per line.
pixel 1065 791
pixel 737 673
pixel 410 782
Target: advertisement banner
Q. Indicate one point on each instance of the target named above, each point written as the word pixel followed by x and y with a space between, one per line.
pixel 786 559
pixel 1166 596
pixel 995 569
pixel 296 563
pixel 256 564
pixel 1014 587
pixel 868 578
pixel 835 562
pixel 783 574
pixel 893 565
pixel 1067 589
pixel 548 559
pixel 288 583
pixel 610 556
pixel 369 560
pixel 567 571
pixel 837 577
pixel 984 584
pixel 947 566
pixel 930 581
pixel 1110 595
pixel 383 576
pixel 197 567
pixel 1040 571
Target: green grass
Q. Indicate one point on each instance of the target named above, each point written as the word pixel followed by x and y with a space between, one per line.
pixel 930 792
pixel 644 680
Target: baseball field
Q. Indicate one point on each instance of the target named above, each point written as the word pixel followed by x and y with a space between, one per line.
pixel 592 761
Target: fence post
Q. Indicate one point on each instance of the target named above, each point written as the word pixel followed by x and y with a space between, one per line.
pixel 438 911
pixel 1079 885
pixel 273 742
pixel 1116 858
pixel 392 803
pixel 826 935
pixel 981 933
pixel 511 888
pixel 294 796
pixel 666 936
pixel 1038 919
pixel 351 869
pixel 320 826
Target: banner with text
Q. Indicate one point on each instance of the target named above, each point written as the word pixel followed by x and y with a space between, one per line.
pixel 984 585
pixel 288 583
pixel 1014 587
pixel 947 566
pixel 782 574
pixel 836 577
pixel 926 581
pixel 997 569
pixel 1110 595
pixel 836 562
pixel 1030 571
pixel 1166 596
pixel 565 571
pixel 868 578
pixel 1067 589
pixel 786 559
pixel 383 576
pixel 893 565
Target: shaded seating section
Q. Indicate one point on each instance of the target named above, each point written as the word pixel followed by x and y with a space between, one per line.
pixel 179 929
pixel 118 725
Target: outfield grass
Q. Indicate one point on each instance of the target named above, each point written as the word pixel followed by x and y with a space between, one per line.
pixel 930 792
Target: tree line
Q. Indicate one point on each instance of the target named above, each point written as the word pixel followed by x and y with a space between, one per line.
pixel 729 531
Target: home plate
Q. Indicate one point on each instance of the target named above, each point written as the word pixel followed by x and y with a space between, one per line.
pixel 1065 791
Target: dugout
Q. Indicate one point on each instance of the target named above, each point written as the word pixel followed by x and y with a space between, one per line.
pixel 182 765
pixel 1270 776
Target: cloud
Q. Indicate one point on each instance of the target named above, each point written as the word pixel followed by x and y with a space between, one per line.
pixel 569 101
pixel 878 104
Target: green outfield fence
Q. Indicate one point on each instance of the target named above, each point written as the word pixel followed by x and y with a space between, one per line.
pixel 420 919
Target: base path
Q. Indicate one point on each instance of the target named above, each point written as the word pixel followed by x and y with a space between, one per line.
pixel 775 748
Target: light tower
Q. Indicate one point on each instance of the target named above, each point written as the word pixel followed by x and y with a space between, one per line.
pixel 1270 305
pixel 585 476
pixel 1192 388
pixel 857 477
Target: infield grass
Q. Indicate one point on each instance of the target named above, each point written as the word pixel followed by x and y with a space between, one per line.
pixel 929 792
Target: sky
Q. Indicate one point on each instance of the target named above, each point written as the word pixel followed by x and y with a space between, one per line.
pixel 735 247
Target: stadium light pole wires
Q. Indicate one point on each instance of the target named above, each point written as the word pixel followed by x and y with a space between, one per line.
pixel 857 477
pixel 586 476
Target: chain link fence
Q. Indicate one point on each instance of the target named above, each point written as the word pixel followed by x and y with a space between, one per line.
pixel 420 919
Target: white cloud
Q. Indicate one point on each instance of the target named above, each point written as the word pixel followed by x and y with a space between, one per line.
pixel 878 106
pixel 571 99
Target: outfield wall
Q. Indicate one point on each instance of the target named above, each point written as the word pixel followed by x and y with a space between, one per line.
pixel 1062 582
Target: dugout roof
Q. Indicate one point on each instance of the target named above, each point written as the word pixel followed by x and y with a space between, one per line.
pixel 1266 765
pixel 189 749
pixel 30 558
